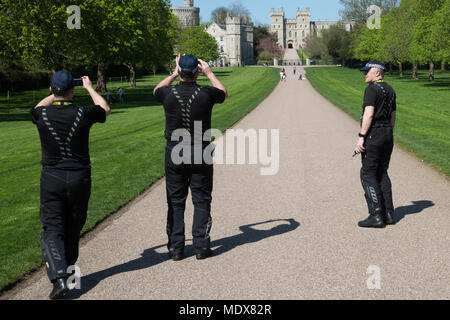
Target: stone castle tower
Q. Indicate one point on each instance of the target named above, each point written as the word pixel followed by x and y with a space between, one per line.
pixel 292 33
pixel 233 28
pixel 188 15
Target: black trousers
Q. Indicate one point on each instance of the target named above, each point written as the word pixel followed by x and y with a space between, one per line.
pixel 64 202
pixel 179 178
pixel 375 163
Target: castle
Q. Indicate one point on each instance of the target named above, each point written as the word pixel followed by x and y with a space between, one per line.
pixel 189 16
pixel 234 39
pixel 292 33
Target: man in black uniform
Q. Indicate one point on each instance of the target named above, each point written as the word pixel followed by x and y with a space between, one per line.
pixel 66 173
pixel 186 105
pixel 375 144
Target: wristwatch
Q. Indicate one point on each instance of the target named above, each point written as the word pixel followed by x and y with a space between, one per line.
pixel 361 135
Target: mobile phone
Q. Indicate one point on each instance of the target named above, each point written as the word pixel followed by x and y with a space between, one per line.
pixel 78 82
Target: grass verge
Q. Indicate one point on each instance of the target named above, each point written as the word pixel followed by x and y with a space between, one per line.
pixel 423 108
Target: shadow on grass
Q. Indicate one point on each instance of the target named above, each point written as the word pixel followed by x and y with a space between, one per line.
pixel 150 257
pixel 415 207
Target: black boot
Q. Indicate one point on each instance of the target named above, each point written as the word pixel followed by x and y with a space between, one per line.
pixel 176 255
pixel 60 289
pixel 203 254
pixel 388 218
pixel 373 221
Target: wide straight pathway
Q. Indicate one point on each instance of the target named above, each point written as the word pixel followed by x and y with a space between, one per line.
pixel 292 235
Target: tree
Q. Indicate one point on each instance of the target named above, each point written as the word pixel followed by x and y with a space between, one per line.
pixel 369 41
pixel 356 10
pixel 154 36
pixel 425 47
pixel 237 9
pixel 397 37
pixel 219 15
pixel 261 37
pixel 440 32
pixel 198 42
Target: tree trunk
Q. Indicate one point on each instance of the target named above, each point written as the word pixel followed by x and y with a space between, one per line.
pixel 414 72
pixel 431 72
pixel 132 75
pixel 400 69
pixel 443 65
pixel 390 69
pixel 101 83
pixel 154 70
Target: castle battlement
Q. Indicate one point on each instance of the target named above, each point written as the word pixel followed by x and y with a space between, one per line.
pixel 292 33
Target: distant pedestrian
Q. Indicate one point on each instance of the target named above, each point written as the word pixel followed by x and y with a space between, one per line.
pixel 108 96
pixel 294 70
pixel 375 144
pixel 300 76
pixel 121 98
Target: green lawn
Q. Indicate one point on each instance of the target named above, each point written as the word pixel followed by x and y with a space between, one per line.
pixel 127 155
pixel 423 108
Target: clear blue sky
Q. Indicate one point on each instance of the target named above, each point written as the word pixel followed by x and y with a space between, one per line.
pixel 260 9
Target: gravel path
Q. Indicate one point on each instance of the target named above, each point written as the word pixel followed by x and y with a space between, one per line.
pixel 292 235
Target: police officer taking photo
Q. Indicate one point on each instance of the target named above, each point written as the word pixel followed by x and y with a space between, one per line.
pixel 186 105
pixel 66 173
pixel 375 144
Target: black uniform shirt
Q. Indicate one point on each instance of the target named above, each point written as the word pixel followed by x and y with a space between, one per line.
pixel 64 131
pixel 187 102
pixel 380 95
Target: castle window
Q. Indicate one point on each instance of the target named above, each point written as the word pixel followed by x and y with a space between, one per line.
pixel 221 38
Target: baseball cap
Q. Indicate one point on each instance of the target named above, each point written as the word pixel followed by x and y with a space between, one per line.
pixel 373 64
pixel 188 63
pixel 61 80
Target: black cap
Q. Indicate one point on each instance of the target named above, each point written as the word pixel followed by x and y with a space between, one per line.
pixel 188 63
pixel 62 81
pixel 373 64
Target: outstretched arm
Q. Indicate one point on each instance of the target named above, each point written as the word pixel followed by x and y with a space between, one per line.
pixel 207 71
pixel 96 97
pixel 168 81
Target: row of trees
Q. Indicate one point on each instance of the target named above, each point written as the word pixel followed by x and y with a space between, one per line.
pixel 415 32
pixel 35 35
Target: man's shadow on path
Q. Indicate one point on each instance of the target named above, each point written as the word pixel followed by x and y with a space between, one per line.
pixel 416 207
pixel 151 258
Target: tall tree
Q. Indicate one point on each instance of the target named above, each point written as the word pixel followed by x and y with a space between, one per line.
pixel 425 47
pixel 153 36
pixel 397 37
pixel 356 10
pixel 440 32
pixel 198 42
pixel 219 15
